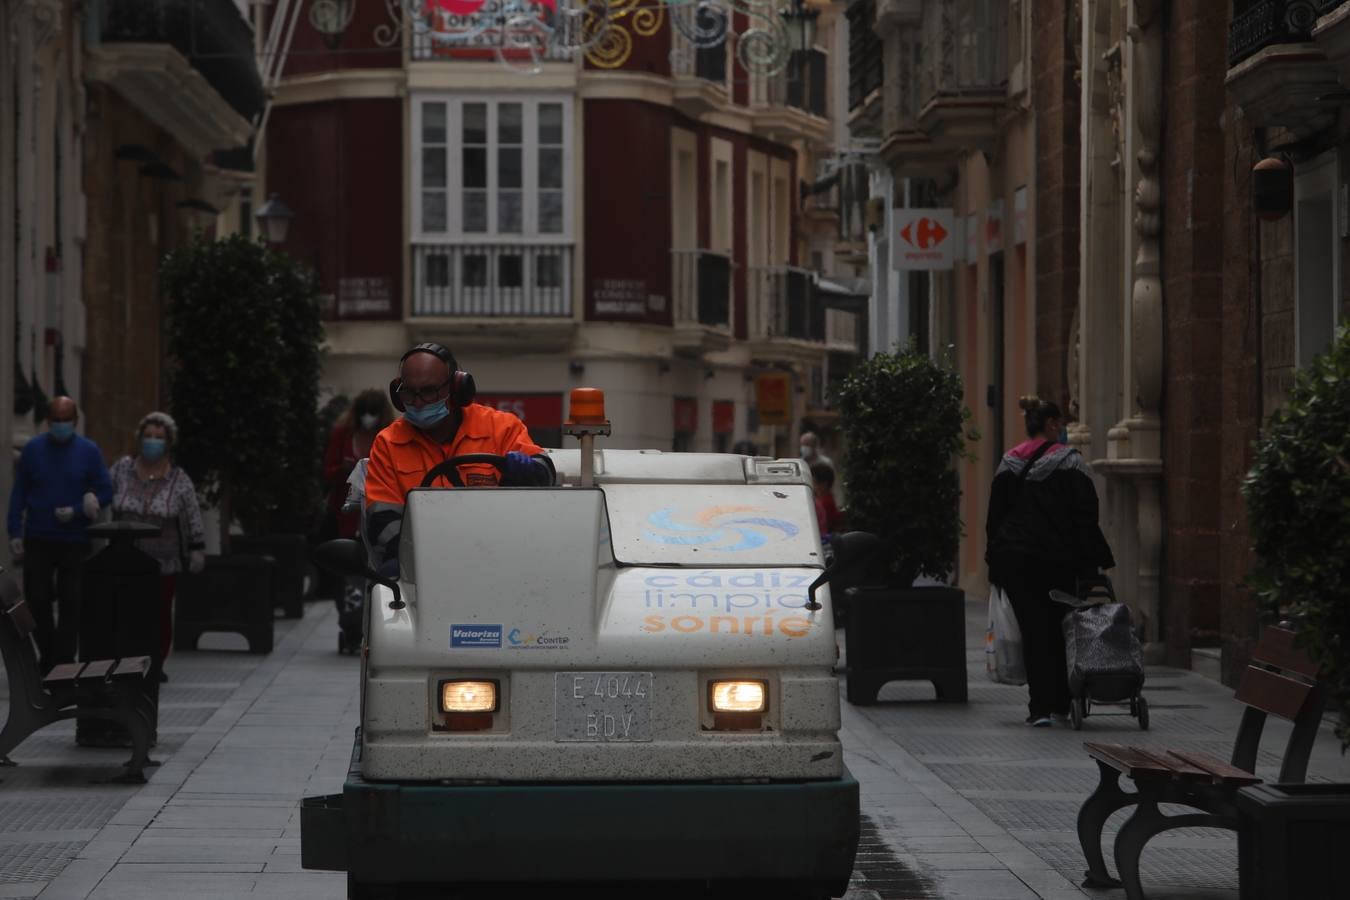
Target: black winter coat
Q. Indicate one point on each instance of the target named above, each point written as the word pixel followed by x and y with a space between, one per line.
pixel 1048 518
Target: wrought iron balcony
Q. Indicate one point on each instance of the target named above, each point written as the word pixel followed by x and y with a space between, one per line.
pixel 492 280
pixel 784 305
pixel 864 53
pixel 1258 24
pixel 802 83
pixel 701 286
pixel 210 34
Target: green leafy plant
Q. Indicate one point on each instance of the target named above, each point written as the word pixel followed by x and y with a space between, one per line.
pixel 906 428
pixel 1298 503
pixel 245 340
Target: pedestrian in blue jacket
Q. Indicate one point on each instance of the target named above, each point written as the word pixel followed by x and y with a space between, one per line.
pixel 60 484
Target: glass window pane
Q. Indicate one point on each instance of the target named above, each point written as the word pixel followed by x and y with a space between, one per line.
pixel 550 123
pixel 475 270
pixel 438 270
pixel 475 123
pixel 433 210
pixel 510 120
pixel 509 168
pixel 551 167
pixel 475 211
pixel 550 212
pixel 510 212
pixel 433 167
pixel 548 271
pixel 475 167
pixel 433 123
pixel 509 271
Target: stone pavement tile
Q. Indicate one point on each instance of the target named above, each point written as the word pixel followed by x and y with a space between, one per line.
pixel 307 886
pixel 155 846
pixel 223 817
pixel 983 885
pixel 23 890
pixel 943 861
pixel 133 883
pixel 151 869
pixel 921 844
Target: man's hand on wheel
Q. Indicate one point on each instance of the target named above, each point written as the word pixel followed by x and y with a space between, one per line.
pixel 520 469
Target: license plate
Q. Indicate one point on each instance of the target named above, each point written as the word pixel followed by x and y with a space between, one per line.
pixel 608 707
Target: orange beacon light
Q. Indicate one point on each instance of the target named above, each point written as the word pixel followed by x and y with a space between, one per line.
pixel 585 421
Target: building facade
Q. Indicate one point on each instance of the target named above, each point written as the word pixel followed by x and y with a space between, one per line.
pixel 646 216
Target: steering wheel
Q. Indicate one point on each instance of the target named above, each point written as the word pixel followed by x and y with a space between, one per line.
pixel 450 467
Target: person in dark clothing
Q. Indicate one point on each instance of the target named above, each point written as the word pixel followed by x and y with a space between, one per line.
pixel 1042 534
pixel 60 484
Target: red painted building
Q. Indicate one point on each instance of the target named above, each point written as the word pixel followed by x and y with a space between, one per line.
pixel 632 217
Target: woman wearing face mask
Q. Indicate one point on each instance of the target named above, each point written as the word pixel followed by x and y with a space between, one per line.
pixel 350 441
pixel 1042 534
pixel 148 487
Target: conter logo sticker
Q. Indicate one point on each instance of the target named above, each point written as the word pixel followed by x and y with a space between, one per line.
pixel 728 529
pixel 489 636
pixel 524 640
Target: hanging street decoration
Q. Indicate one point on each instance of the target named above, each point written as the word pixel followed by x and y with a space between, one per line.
pixel 524 34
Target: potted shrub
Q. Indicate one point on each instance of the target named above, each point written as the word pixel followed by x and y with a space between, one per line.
pixel 906 428
pixel 1298 505
pixel 1300 518
pixel 244 344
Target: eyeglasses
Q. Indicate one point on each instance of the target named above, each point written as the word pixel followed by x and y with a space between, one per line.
pixel 419 396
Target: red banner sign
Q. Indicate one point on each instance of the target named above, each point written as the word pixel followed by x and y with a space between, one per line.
pixel 723 417
pixel 535 410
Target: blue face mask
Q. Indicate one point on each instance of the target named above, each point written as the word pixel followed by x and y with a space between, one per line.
pixel 428 416
pixel 61 431
pixel 152 449
pixel 1064 435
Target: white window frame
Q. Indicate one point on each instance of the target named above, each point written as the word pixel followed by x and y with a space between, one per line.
pixel 1321 177
pixel 454 232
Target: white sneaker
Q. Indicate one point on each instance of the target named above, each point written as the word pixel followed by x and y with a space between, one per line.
pixel 1041 722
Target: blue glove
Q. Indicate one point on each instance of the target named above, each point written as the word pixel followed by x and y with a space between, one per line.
pixel 524 471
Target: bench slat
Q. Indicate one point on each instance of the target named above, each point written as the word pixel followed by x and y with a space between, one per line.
pixel 1225 773
pixel 1180 767
pixel 132 667
pixel 1273 693
pixel 1276 648
pixel 63 673
pixel 1128 760
pixel 97 669
pixel 22 617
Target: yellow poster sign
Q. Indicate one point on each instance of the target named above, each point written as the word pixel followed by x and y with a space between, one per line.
pixel 773 396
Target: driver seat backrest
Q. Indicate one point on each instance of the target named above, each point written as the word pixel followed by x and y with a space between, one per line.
pixel 356 500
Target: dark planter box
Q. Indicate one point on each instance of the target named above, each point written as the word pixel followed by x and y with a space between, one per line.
pixel 233 593
pixel 291 553
pixel 1292 840
pixel 905 634
pixel 120 616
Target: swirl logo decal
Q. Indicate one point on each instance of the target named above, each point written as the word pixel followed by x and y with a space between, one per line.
pixel 727 529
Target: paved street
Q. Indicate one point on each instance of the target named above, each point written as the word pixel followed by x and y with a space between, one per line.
pixel 960 801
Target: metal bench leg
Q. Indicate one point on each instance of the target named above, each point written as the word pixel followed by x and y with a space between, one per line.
pixel 1092 816
pixel 1140 828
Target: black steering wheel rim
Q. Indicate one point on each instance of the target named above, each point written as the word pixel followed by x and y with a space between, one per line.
pixel 449 468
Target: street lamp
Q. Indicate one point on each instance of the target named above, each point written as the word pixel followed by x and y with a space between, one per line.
pixel 274 219
pixel 330 19
pixel 800 22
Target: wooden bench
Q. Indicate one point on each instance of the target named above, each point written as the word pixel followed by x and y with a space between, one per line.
pixel 1280 681
pixel 106 689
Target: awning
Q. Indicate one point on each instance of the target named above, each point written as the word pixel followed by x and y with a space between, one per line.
pixel 838 296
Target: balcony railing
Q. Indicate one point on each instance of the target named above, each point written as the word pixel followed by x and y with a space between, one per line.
pixel 784 304
pixel 438 35
pixel 210 34
pixel 701 286
pixel 801 84
pixel 496 280
pixel 1258 24
pixel 841 328
pixel 708 63
pixel 864 53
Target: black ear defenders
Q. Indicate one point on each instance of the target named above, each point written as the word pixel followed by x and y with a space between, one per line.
pixel 462 388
